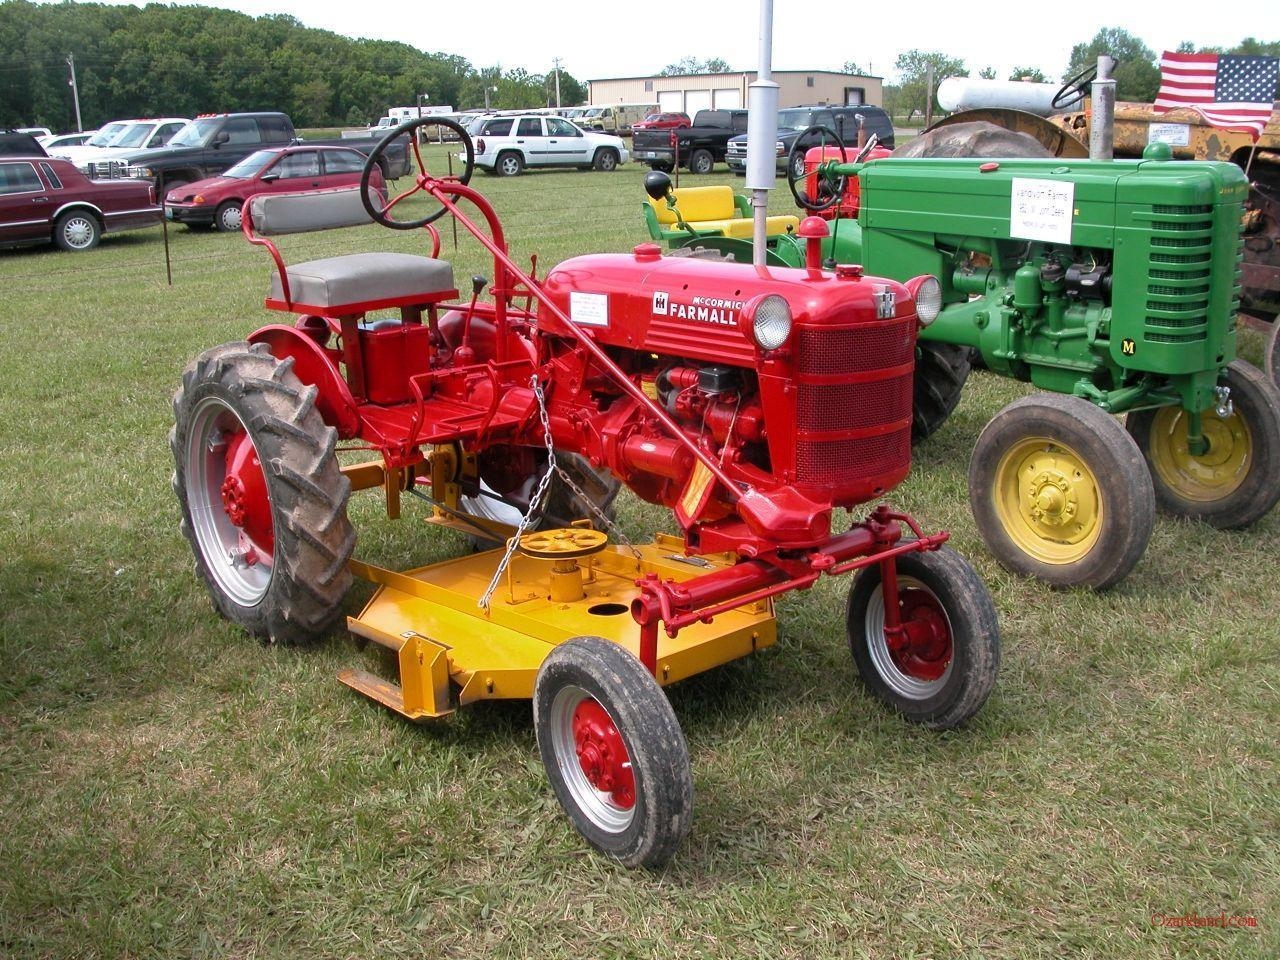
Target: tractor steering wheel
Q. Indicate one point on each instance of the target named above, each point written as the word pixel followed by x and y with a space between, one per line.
pixel 1077 88
pixel 408 133
pixel 830 189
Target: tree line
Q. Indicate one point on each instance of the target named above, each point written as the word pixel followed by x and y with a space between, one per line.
pixel 1137 71
pixel 181 61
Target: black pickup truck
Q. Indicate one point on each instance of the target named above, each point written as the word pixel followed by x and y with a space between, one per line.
pixel 210 145
pixel 698 147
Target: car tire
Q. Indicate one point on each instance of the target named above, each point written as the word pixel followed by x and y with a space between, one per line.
pixel 663 165
pixel 77 230
pixel 227 219
pixel 509 164
pixel 606 160
pixel 701 161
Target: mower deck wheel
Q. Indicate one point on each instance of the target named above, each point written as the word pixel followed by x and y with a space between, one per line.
pixel 1060 492
pixel 613 751
pixel 1233 484
pixel 941 666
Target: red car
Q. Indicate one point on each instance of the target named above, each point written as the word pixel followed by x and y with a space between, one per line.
pixel 43 200
pixel 663 121
pixel 217 201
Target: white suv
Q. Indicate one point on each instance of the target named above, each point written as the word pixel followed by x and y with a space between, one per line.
pixel 506 145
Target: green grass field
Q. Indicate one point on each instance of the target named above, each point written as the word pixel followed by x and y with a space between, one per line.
pixel 171 788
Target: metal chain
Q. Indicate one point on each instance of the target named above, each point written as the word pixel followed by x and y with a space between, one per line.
pixel 535 502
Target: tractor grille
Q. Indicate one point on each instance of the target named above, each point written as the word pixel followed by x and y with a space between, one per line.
pixel 1178 289
pixel 853 407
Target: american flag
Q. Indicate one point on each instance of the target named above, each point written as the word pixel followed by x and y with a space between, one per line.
pixel 1231 93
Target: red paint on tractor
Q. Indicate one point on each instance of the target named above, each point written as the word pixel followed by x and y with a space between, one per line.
pixel 244 493
pixel 603 754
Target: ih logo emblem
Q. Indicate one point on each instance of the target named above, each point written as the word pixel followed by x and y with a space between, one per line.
pixel 660 303
pixel 1128 347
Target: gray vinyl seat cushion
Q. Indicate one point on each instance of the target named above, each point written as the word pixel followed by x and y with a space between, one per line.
pixel 358 278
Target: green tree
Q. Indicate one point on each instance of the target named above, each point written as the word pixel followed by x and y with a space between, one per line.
pixel 987 73
pixel 1030 74
pixel 913 68
pixel 687 66
pixel 1136 73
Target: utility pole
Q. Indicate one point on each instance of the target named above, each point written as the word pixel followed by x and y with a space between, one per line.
pixel 75 91
pixel 556 61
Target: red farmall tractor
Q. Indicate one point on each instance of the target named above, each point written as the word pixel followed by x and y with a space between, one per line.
pixel 760 405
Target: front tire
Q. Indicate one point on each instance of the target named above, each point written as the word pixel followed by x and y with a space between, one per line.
pixel 1234 483
pixel 1060 492
pixel 614 751
pixel 940 374
pixel 605 161
pixel 76 231
pixel 939 671
pixel 701 161
pixel 263 501
pixel 227 218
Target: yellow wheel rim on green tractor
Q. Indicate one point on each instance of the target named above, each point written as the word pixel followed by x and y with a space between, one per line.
pixel 1216 474
pixel 1048 500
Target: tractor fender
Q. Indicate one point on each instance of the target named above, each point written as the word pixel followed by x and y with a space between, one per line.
pixel 314 367
pixel 1054 138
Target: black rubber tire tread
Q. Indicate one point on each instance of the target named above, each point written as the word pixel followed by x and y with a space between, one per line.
pixel 60 226
pixel 563 506
pixel 940 375
pixel 519 167
pixel 314 538
pixel 1271 353
pixel 1114 459
pixel 975 630
pixel 605 160
pixel 656 745
pixel 223 209
pixel 701 161
pixel 1256 399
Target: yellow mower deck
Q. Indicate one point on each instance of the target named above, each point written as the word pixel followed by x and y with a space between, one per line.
pixel 452 652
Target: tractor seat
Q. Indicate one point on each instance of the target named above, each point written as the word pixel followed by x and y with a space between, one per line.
pixel 348 285
pixel 355 280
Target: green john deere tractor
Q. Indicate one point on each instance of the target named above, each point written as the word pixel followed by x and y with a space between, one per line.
pixel 1113 287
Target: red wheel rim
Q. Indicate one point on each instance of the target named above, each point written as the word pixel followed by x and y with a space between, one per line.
pixel 923 648
pixel 244 493
pixel 602 754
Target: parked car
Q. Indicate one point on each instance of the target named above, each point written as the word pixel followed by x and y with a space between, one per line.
pixel 36 132
pixel 54 141
pixel 15 144
pixel 846 121
pixel 105 161
pixel 216 201
pixel 107 134
pixel 664 121
pixel 507 145
pixel 44 199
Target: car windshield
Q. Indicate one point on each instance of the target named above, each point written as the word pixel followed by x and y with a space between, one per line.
pixel 107 134
pixel 134 136
pixel 251 165
pixel 796 119
pixel 195 132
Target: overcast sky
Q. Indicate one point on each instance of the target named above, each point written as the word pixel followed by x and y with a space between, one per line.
pixel 600 40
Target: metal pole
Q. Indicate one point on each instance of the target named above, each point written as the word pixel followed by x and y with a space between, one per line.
pixel 75 90
pixel 1102 126
pixel 928 97
pixel 556 61
pixel 762 135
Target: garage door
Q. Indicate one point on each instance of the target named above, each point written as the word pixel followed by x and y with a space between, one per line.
pixel 729 98
pixel 695 100
pixel 671 101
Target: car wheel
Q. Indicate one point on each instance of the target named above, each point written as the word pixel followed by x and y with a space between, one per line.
pixel 228 216
pixel 701 161
pixel 664 166
pixel 509 165
pixel 77 230
pixel 606 160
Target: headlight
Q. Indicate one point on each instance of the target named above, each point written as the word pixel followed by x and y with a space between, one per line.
pixel 927 293
pixel 141 173
pixel 781 148
pixel 771 322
